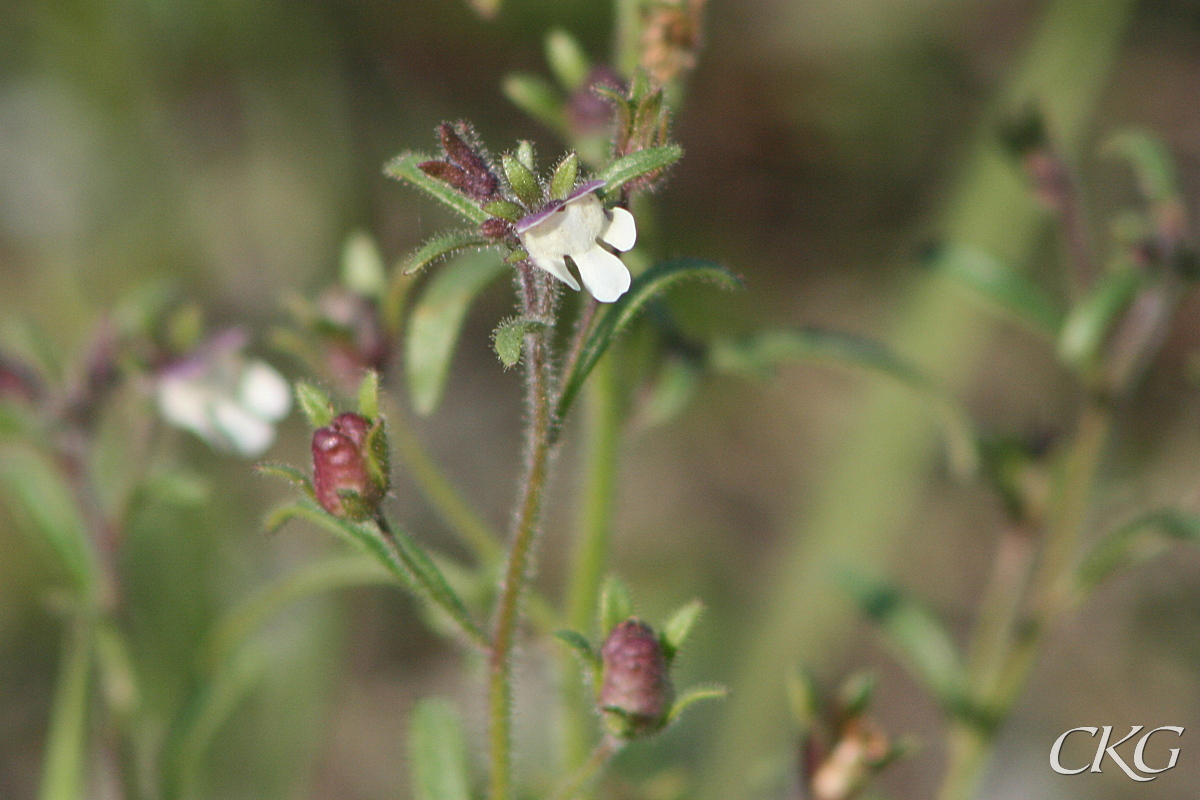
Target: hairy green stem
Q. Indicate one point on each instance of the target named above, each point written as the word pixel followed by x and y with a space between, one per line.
pixel 526 520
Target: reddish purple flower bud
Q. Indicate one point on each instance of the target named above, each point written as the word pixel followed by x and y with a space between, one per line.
pixel 349 475
pixel 635 690
pixel 457 142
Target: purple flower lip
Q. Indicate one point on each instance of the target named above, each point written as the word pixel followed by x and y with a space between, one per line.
pixel 534 219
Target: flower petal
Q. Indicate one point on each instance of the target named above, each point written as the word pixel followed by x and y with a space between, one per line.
pixel 603 274
pixel 263 392
pixel 243 431
pixel 621 233
pixel 557 267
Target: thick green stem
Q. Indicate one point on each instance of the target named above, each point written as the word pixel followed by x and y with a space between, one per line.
pixel 66 742
pixel 602 423
pixel 517 572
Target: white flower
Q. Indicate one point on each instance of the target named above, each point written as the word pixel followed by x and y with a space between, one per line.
pixel 229 401
pixel 575 227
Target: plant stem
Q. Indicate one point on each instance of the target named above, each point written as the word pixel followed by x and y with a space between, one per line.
pixel 600 756
pixel 517 572
pixel 602 435
pixel 1008 643
pixel 62 772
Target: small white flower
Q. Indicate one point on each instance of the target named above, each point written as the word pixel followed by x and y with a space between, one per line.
pixel 575 227
pixel 230 402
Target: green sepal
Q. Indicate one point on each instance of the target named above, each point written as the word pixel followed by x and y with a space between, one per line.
pixel 582 648
pixel 288 473
pixel 615 606
pixel 522 180
pixel 695 695
pixel 378 461
pixel 315 404
pixel 443 245
pixel 677 628
pixel 516 257
pixel 368 395
pixel 437 752
pixel 635 165
pixel 404 167
pixel 563 181
pixel 804 700
pixel 505 209
pixel 616 317
pixel 526 155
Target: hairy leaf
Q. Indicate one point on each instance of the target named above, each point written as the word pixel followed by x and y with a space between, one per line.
pixel 635 165
pixel 404 167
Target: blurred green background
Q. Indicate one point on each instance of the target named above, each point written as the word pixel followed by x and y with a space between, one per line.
pixel 232 144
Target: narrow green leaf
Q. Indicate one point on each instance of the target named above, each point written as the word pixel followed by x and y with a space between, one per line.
pixel 435 321
pixel 1136 542
pixel 398 553
pixel 919 640
pixel 444 245
pixel 505 209
pixel 537 98
pixel 635 165
pixel 437 752
pixel 582 647
pixel 66 741
pixel 615 606
pixel 563 181
pixel 1007 290
pixel 315 404
pixel 404 167
pixel 677 628
pixel 237 627
pixel 362 265
pixel 762 353
pixel 522 180
pixel 567 60
pixel 286 472
pixel 695 695
pixel 35 487
pixel 509 337
pixel 1089 324
pixel 615 317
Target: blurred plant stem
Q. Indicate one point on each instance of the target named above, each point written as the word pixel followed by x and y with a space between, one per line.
pixel 1012 635
pixel 602 424
pixel 874 488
